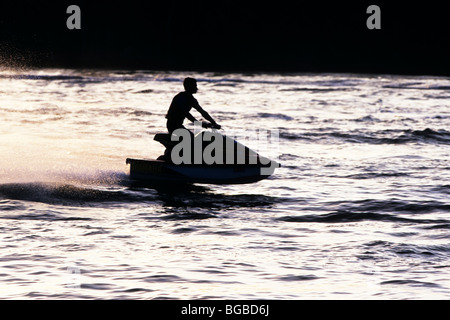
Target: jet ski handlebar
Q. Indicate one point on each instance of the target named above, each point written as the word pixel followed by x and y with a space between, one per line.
pixel 207 125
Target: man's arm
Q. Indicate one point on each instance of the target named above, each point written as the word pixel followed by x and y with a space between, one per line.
pixel 191 117
pixel 205 114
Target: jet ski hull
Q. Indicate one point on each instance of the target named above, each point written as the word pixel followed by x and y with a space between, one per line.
pixel 157 171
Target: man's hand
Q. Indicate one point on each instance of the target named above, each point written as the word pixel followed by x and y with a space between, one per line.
pixel 211 125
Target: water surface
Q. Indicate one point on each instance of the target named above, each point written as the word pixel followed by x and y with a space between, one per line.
pixel 359 210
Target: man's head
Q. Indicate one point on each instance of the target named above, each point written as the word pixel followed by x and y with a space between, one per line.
pixel 190 85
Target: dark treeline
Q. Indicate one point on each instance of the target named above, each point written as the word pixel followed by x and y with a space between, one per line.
pixel 228 36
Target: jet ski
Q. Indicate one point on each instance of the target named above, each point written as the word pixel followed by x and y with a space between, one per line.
pixel 205 158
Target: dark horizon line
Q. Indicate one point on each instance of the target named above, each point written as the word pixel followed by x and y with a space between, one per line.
pixel 16 58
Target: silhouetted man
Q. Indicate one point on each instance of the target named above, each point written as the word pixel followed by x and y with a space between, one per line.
pixel 181 106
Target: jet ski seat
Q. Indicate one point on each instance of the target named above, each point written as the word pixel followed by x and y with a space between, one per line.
pixel 164 139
